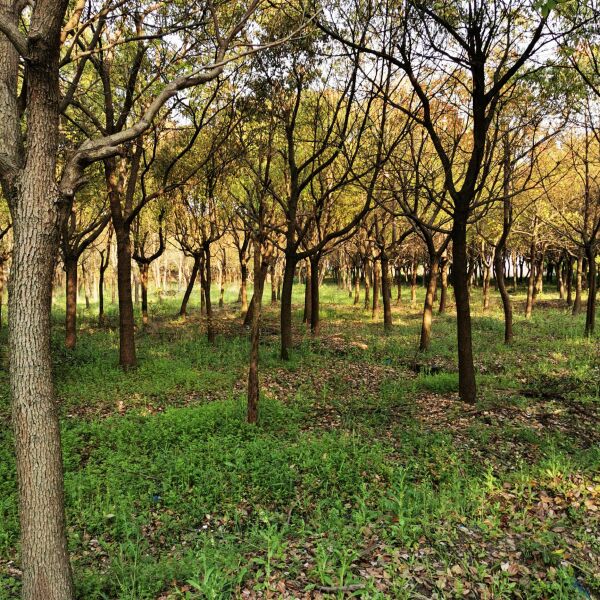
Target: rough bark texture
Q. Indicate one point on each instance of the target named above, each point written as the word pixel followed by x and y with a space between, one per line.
pixel 36 207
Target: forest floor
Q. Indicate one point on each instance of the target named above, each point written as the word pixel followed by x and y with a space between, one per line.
pixel 366 476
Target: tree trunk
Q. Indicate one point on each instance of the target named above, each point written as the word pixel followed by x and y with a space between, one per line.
pixel 530 283
pixel 71 302
pixel 273 284
pixel 189 288
pixel 306 316
pixel 386 292
pixel 444 282
pixel 578 284
pixel 35 205
pixel 286 306
pixel 376 288
pixel 315 320
pixel 101 296
pixel 256 306
pixel 206 282
pixel 466 369
pixel 144 285
pixel 487 267
pixel 590 315
pixel 244 286
pixel 127 354
pixel 426 321
pixel 569 277
pixel 499 260
pixel 413 282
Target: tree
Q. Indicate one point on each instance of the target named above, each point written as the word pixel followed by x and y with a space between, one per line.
pixel 39 201
pixel 483 47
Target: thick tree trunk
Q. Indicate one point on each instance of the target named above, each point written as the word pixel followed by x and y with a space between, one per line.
pixel 386 292
pixel 425 339
pixel 127 354
pixel 44 559
pixel 466 370
pixel 35 207
pixel 286 306
pixel 356 286
pixel 71 302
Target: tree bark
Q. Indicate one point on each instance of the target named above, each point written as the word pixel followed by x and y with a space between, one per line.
pixel 273 284
pixel 127 353
pixel 206 283
pixel 578 284
pixel 413 281
pixel 36 206
pixel 144 268
pixel 499 259
pixel 376 288
pixel 569 277
pixel 244 287
pixel 286 306
pixel 467 388
pixel 71 303
pixel 444 284
pixel 425 339
pixel 189 288
pixel 260 273
pixel 306 316
pixel 315 319
pixel 386 292
pixel 590 315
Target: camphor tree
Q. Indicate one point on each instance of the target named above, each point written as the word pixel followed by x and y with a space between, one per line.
pixel 79 231
pixel 482 48
pixel 56 47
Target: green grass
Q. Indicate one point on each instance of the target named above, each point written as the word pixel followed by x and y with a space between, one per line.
pixel 360 472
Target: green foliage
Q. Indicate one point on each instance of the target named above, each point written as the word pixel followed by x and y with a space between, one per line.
pixel 169 492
